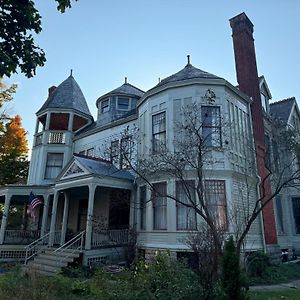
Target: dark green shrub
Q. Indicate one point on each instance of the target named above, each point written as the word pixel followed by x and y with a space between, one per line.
pixel 232 279
pixel 257 264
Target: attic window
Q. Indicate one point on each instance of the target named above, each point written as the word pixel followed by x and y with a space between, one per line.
pixel 123 103
pixel 104 106
pixel 264 101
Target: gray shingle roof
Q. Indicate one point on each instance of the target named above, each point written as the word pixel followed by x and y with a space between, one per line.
pixel 281 110
pixel 188 72
pixel 103 168
pixel 125 89
pixel 67 95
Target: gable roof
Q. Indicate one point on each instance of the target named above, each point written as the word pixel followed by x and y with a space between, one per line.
pixel 67 95
pixel 188 72
pixel 102 167
pixel 281 110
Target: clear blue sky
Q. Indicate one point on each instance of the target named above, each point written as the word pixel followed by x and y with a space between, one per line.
pixel 105 40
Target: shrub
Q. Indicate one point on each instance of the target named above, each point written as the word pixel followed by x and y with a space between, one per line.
pixel 232 279
pixel 257 263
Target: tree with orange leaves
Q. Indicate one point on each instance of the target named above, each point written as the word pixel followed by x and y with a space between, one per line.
pixel 13 151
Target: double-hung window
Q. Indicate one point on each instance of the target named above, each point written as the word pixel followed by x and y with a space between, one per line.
pixel 296 211
pixel 123 103
pixel 211 126
pixel 125 157
pixel 104 105
pixel 143 207
pixel 158 132
pixel 159 202
pixel 53 165
pixel 114 152
pixel 186 215
pixel 216 201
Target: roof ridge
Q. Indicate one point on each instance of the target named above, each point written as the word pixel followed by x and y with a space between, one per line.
pixel 92 158
pixel 283 100
pixel 134 87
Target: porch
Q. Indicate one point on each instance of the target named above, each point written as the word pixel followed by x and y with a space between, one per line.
pixel 16 242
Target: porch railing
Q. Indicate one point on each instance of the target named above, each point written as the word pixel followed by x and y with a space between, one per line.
pixel 110 237
pixel 35 247
pixel 21 236
pixel 72 246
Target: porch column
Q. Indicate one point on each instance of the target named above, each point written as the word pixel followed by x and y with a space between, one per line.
pixel 89 219
pixel 65 219
pixel 53 219
pixel 71 119
pixel 47 124
pixel 133 210
pixel 45 214
pixel 4 217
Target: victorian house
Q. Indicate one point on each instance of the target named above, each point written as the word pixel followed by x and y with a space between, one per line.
pixel 93 200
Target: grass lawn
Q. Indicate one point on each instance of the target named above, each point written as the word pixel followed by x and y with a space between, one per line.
pixel 275 295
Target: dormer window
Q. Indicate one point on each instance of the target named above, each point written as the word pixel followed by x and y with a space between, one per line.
pixel 264 102
pixel 123 103
pixel 105 105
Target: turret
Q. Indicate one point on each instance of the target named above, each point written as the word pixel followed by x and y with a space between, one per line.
pixel 63 114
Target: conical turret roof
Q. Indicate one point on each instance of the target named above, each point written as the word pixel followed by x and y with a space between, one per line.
pixel 67 95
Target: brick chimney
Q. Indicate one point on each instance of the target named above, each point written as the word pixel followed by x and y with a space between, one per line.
pixel 51 90
pixel 247 77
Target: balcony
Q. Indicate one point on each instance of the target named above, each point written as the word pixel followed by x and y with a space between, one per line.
pixel 56 137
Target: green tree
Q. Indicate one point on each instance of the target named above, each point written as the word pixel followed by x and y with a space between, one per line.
pixel 19 19
pixel 231 273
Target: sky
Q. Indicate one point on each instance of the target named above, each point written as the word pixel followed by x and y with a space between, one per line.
pixel 105 40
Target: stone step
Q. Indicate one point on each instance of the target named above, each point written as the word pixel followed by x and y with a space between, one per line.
pixel 50 262
pixel 54 257
pixel 44 267
pixel 68 253
pixel 32 269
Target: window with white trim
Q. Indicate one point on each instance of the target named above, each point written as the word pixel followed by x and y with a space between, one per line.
pixel 211 126
pixel 159 202
pixel 158 132
pixel 104 105
pixel 296 212
pixel 53 165
pixel 216 201
pixel 186 215
pixel 114 152
pixel 125 152
pixel 279 214
pixel 123 103
pixel 143 194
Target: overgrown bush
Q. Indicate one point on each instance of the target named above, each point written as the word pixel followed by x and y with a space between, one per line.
pixel 257 263
pixel 163 278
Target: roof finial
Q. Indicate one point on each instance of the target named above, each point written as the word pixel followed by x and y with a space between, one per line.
pixel 158 79
pixel 125 80
pixel 71 74
pixel 188 60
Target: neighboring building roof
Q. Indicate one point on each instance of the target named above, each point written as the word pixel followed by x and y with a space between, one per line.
pixel 188 72
pixel 281 110
pixel 103 168
pixel 125 89
pixel 67 95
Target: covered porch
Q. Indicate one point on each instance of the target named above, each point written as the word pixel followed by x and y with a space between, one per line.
pixel 100 207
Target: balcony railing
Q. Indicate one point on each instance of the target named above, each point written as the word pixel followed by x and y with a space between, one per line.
pixel 38 139
pixel 56 137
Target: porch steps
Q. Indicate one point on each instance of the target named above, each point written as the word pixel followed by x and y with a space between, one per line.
pixel 49 262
